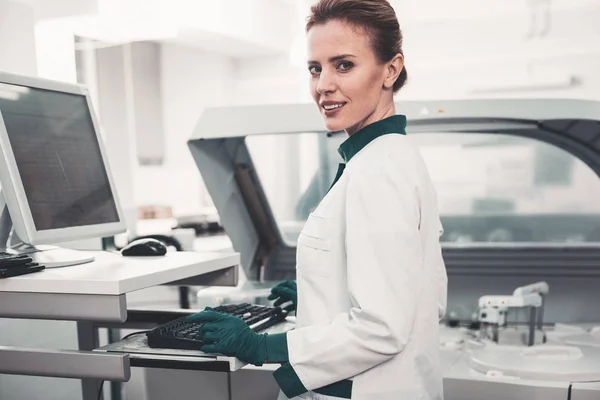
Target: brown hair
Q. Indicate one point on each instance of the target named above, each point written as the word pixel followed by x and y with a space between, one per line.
pixel 376 17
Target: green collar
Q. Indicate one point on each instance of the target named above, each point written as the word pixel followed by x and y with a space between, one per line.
pixel 355 143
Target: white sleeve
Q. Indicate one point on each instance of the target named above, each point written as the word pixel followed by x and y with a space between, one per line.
pixel 384 264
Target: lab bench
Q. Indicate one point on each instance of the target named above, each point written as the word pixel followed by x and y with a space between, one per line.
pixel 94 295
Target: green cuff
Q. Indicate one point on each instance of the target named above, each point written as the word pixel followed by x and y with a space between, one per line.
pixel 288 381
pixel 341 389
pixel 277 348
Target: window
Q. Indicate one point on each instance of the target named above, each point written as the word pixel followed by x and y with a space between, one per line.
pixel 295 171
pixel 499 188
pixel 491 188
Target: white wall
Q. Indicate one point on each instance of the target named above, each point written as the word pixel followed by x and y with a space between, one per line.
pixel 17 38
pixel 447 58
pixel 269 80
pixel 191 79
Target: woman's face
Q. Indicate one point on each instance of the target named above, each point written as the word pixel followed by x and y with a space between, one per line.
pixel 347 81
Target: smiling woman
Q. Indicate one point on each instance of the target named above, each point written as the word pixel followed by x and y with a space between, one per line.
pixel 370 278
pixel 355 61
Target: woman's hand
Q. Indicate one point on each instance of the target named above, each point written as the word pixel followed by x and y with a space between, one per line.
pixel 230 336
pixel 284 292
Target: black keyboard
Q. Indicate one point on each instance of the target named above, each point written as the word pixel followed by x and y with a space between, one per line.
pixel 10 259
pixel 17 264
pixel 182 333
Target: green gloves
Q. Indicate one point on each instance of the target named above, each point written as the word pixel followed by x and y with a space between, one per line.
pixel 229 335
pixel 285 291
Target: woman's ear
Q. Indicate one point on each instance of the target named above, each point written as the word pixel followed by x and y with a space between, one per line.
pixel 393 69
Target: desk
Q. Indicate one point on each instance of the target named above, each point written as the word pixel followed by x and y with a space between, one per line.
pixel 93 294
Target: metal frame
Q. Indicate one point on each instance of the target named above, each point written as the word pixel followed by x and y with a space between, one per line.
pixel 530 261
pixel 223 277
pixel 65 364
pixel 63 306
pixel 177 362
pixel 217 122
pixel 90 312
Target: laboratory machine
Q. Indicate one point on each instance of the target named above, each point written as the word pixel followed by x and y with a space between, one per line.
pixel 499 360
pixel 516 182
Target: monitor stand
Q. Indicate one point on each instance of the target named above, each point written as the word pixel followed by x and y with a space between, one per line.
pixel 50 256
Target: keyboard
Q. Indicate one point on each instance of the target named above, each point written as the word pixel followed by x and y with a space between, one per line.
pixel 182 333
pixel 17 264
pixel 9 259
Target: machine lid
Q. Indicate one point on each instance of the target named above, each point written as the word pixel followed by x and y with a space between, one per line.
pixel 225 140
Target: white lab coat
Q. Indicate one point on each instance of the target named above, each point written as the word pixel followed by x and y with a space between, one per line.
pixel 371 280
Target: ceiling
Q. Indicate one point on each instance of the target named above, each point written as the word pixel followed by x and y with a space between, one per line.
pixel 251 28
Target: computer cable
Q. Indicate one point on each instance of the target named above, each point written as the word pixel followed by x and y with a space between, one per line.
pixel 100 391
pixel 134 333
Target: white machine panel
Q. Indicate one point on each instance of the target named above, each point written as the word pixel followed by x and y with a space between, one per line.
pixel 462 383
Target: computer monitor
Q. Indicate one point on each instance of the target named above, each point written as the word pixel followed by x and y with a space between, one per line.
pixel 54 174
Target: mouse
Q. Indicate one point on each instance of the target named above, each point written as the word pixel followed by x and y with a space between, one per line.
pixel 145 247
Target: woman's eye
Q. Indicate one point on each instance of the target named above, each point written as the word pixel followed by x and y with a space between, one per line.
pixel 314 69
pixel 345 65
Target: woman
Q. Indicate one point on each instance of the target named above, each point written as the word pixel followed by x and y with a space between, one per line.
pixel 370 275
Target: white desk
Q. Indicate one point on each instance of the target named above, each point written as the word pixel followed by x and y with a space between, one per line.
pixel 96 293
pixel 113 274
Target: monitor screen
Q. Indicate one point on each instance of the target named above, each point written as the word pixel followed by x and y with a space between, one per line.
pixel 58 157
